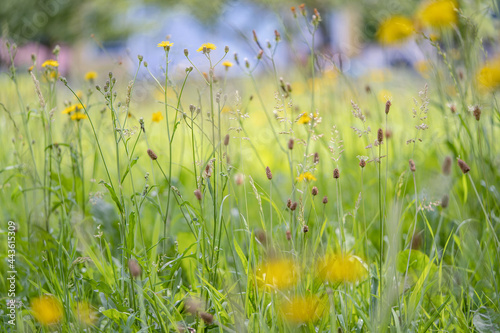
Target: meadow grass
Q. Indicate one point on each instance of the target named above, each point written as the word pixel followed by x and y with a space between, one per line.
pixel 299 200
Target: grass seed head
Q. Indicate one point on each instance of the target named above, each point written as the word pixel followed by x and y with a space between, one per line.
pixel 387 106
pixel 445 201
pixel 226 140
pixel 412 165
pixel 290 144
pixel 380 135
pixel 336 173
pixel 207 317
pixel 463 166
pixel 269 174
pixel 134 268
pixel 314 191
pixel 152 155
pixel 197 194
pixel 325 200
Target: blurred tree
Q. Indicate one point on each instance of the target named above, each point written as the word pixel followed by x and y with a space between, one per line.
pixel 54 21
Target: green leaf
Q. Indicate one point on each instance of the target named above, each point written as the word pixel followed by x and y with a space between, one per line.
pixel 486 320
pixel 113 194
pixel 116 315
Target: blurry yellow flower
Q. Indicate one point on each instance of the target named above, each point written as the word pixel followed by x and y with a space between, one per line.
pixel 157 117
pixel 208 46
pixel 439 13
pixel 47 310
pixel 72 108
pixel 304 119
pixel 226 109
pixel 78 116
pixel 423 67
pixel 278 273
pixel 394 30
pixel 85 314
pixel 341 268
pixel 50 63
pixel 227 64
pixel 30 68
pixel 489 75
pixel 303 309
pixel 384 95
pixel 306 176
pixel 90 76
pixel 165 43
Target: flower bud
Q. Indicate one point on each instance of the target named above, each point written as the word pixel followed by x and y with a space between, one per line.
pixel 152 155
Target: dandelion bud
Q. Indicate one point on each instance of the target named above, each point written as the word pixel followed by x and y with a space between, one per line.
pixel 113 81
pixel 152 155
pixel 226 140
pixel 290 144
pixel 141 122
pixel 477 112
pixel 288 87
pixel 269 173
pixel 110 74
pixel 236 58
pixel 268 43
pixel 453 108
pixel 305 229
pixel 293 206
pixel 289 203
pixel 140 57
pixel 134 268
pixel 197 194
pixel 336 173
pixel 445 201
pixel 207 317
pixel 447 166
pixel 247 64
pixel 277 36
pixel 412 165
pixel 463 166
pixel 314 191
pixel 362 163
pixel 259 56
pixel 145 64
pixel 380 135
pixel 293 12
pixel 325 200
pixel 56 50
pixel 288 235
pixel 387 106
pixel 368 89
pixel 63 80
pixel 255 36
pixel 302 8
pixel 316 158
pixel 226 49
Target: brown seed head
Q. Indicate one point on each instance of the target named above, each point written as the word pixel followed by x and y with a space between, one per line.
pixel 289 203
pixel 288 235
pixel 387 106
pixel 293 206
pixel 226 140
pixel 197 194
pixel 305 229
pixel 336 173
pixel 269 174
pixel 380 135
pixel 207 317
pixel 239 178
pixel 447 166
pixel 316 158
pixel 314 191
pixel 261 236
pixel 152 155
pixel 277 36
pixel 325 200
pixel 463 166
pixel 445 200
pixel 412 165
pixel 290 144
pixel 477 112
pixel 368 89
pixel 362 163
pixel 134 268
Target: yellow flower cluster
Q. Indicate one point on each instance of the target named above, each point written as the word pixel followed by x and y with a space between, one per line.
pixel 47 310
pixel 303 309
pixel 438 13
pixel 308 176
pixel 341 268
pixel 90 76
pixel 208 46
pixel 157 117
pixel 395 29
pixel 489 75
pixel 165 44
pixel 50 63
pixel 277 273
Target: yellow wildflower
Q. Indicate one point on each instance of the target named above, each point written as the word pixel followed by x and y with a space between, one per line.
pixel 165 43
pixel 226 109
pixel 50 63
pixel 278 273
pixel 157 117
pixel 341 268
pixel 439 13
pixel 208 46
pixel 78 116
pixel 72 108
pixel 85 314
pixel 227 64
pixel 90 76
pixel 303 309
pixel 304 119
pixel 47 310
pixel 306 176
pixel 489 75
pixel 423 67
pixel 394 30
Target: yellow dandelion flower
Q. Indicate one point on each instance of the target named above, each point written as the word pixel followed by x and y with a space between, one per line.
pixel 85 314
pixel 157 117
pixel 50 63
pixel 277 273
pixel 394 30
pixel 439 13
pixel 208 46
pixel 30 68
pixel 47 310
pixel 90 76
pixel 69 109
pixel 423 67
pixel 341 268
pixel 78 116
pixel 227 64
pixel 306 176
pixel 303 309
pixel 165 43
pixel 489 75
pixel 304 119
